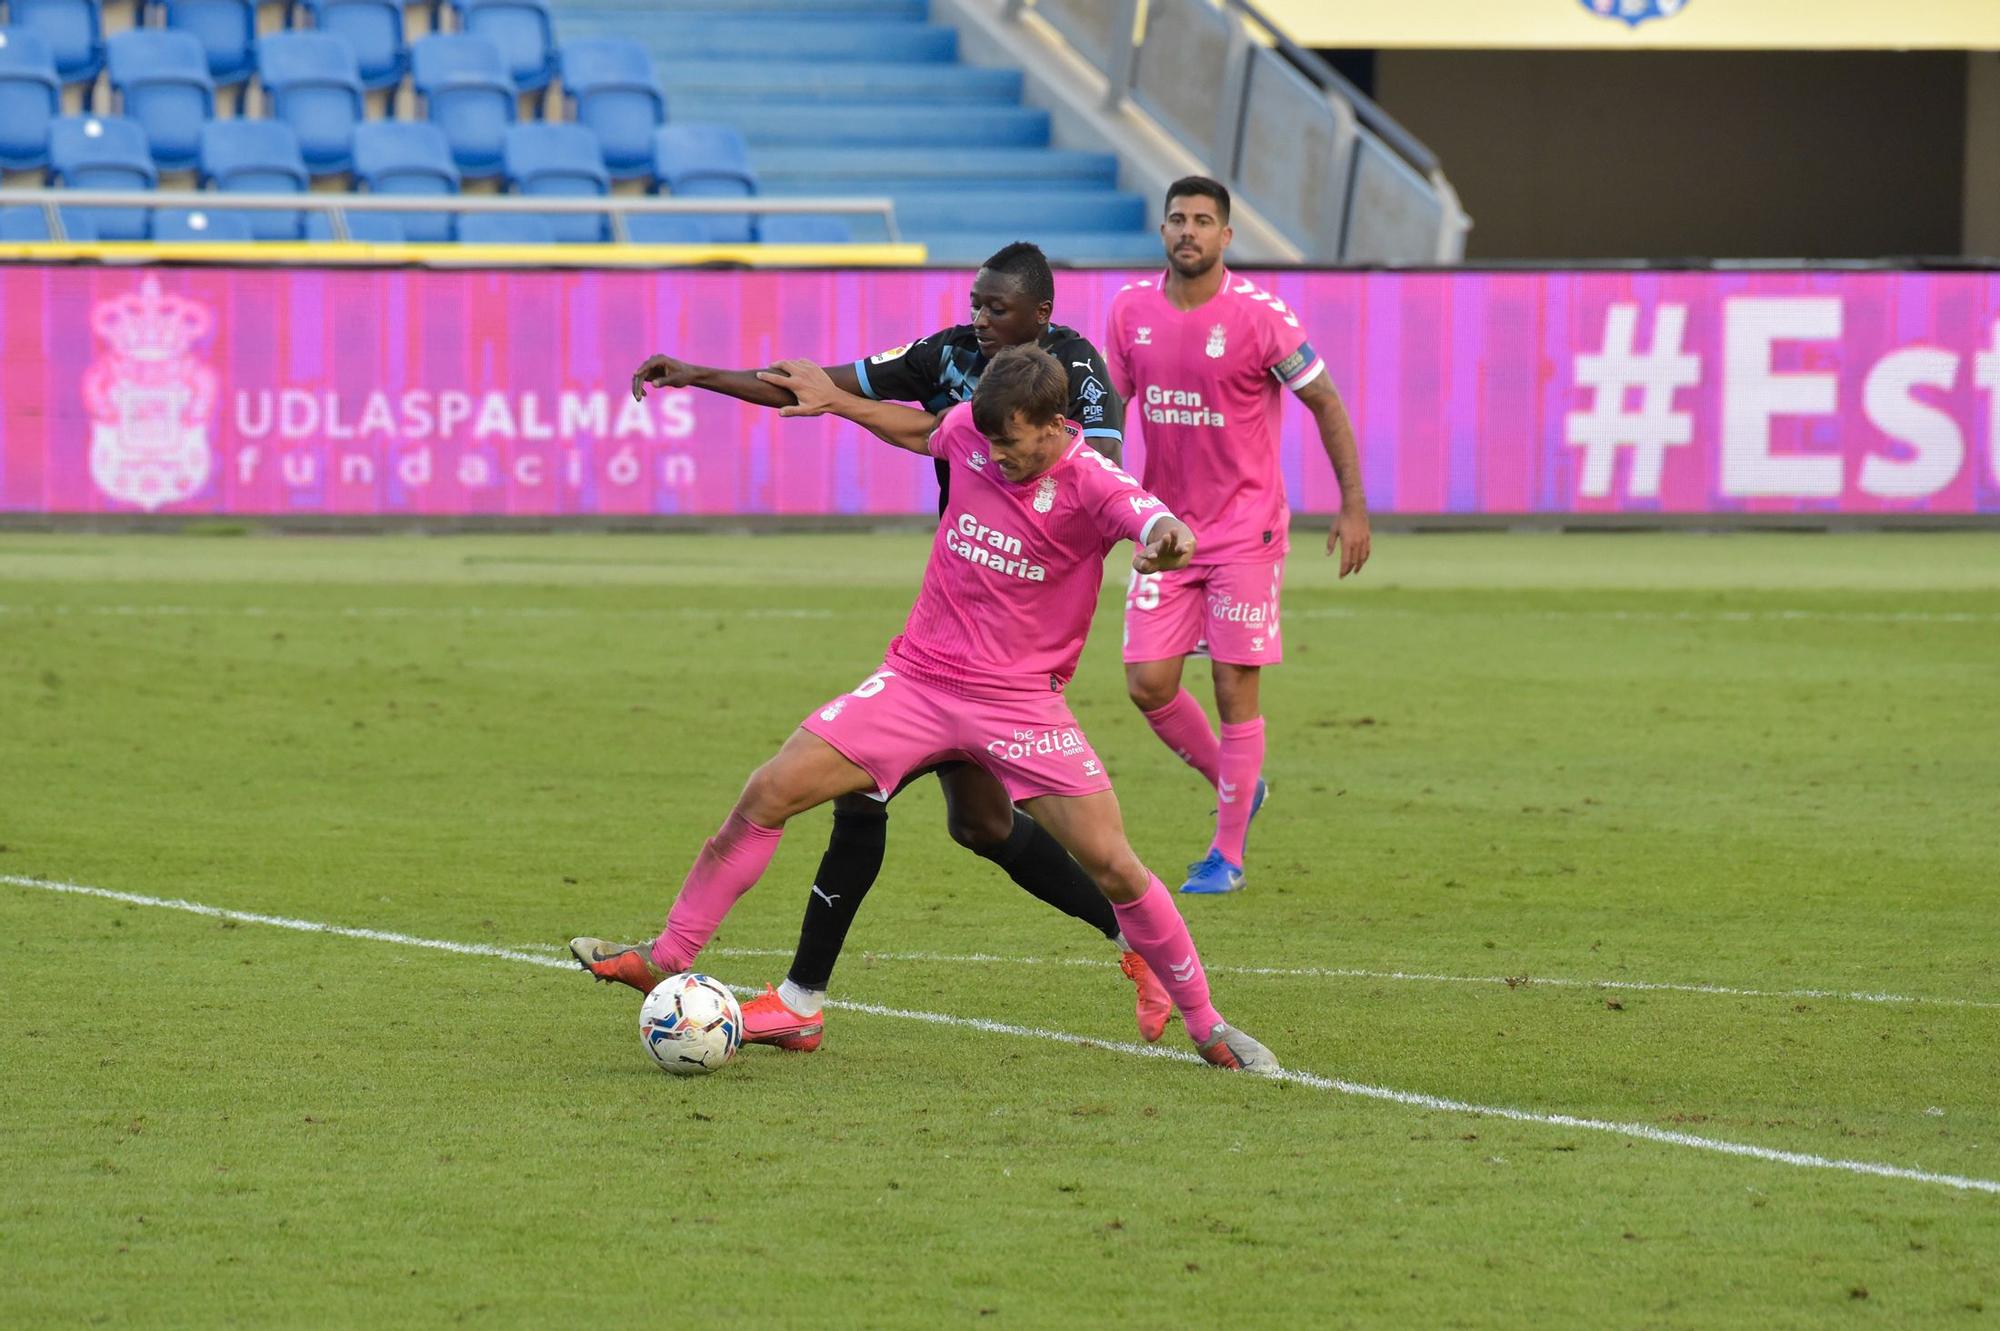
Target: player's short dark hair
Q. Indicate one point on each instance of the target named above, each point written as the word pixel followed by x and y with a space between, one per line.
pixel 1191 187
pixel 1025 263
pixel 1022 379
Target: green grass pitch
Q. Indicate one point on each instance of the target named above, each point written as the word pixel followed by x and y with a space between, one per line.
pixel 1506 768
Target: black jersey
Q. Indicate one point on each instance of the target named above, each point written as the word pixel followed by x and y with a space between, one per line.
pixel 941 370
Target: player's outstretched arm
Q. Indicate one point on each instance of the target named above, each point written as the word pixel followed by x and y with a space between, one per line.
pixel 1349 534
pixel 1169 545
pixel 815 391
pixel 664 371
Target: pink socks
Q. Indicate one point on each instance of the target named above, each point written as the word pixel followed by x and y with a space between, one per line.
pixel 1241 760
pixel 1183 727
pixel 1156 931
pixel 729 865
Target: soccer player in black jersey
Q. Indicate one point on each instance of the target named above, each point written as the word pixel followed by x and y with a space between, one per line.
pixel 1013 296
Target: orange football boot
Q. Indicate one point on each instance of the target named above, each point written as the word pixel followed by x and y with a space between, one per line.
pixel 618 963
pixel 1154 1007
pixel 1238 1051
pixel 766 1020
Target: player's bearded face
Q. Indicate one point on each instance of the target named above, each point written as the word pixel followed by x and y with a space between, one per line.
pixel 1027 450
pixel 1194 236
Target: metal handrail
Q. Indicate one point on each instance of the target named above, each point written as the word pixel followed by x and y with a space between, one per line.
pixel 1309 63
pixel 1360 121
pixel 52 202
pixel 1366 109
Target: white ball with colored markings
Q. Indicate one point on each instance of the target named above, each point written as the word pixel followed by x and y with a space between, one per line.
pixel 690 1024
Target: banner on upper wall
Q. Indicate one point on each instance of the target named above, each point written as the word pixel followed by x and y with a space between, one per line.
pixel 1623 25
pixel 257 392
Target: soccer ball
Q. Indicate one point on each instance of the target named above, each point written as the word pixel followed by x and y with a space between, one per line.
pixel 690 1024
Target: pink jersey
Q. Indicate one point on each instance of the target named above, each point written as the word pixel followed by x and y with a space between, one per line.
pixel 1016 569
pixel 1205 382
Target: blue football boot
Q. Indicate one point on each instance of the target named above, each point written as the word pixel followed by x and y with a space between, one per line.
pixel 1212 876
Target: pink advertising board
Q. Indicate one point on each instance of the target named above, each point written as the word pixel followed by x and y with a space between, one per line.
pixel 258 391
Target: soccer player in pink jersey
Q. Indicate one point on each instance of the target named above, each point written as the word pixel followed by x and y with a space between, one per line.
pixel 977 674
pixel 1012 302
pixel 1201 356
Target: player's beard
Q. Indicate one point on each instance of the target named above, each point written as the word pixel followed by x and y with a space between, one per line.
pixel 1194 267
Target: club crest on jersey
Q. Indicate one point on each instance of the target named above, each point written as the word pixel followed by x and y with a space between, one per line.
pixel 1216 346
pixel 1634 12
pixel 1045 494
pixel 1143 337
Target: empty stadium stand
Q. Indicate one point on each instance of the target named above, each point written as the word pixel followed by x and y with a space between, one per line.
pixel 870 97
pixel 767 101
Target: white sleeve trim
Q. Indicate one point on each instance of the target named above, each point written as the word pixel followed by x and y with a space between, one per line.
pixel 1146 532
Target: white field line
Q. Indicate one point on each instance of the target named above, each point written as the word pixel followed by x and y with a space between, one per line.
pixel 1664 616
pixel 695 612
pixel 1419 977
pixel 1413 1099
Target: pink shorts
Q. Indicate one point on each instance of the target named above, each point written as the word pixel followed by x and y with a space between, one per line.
pixel 892 724
pixel 1232 608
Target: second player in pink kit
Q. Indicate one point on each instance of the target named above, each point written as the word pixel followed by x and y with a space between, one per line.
pixel 1202 358
pixel 977 675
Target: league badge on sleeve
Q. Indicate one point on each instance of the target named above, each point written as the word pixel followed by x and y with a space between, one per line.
pixel 1634 12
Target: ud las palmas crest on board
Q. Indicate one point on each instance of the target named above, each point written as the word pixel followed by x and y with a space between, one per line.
pixel 1634 12
pixel 150 398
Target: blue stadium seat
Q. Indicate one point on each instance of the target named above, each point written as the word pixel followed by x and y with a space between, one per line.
pixel 74 30
pixel 23 223
pixel 707 162
pixel 227 31
pixel 613 90
pixel 803 229
pixel 104 152
pixel 406 157
pixel 374 28
pixel 163 83
pixel 362 228
pixel 467 93
pixel 505 229
pixel 29 99
pixel 522 31
pixel 665 229
pixel 255 157
pixel 315 87
pixel 182 225
pixel 31 224
pixel 560 161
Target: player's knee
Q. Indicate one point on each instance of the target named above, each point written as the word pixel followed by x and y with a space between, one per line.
pixel 767 799
pixel 980 831
pixel 1149 695
pixel 1121 877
